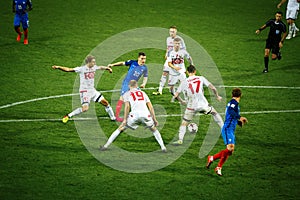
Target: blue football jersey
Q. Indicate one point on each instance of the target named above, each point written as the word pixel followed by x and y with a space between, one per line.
pixel 21 6
pixel 135 71
pixel 232 115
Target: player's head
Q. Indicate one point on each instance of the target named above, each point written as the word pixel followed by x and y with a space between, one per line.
pixel 236 92
pixel 278 15
pixel 191 70
pixel 176 43
pixel 90 61
pixel 142 58
pixel 133 84
pixel 173 31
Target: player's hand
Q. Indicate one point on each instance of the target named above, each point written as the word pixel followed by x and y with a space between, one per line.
pixel 155 122
pixel 109 65
pixel 257 32
pixel 109 69
pixel 142 86
pixel 177 68
pixel 279 5
pixel 54 67
pixel 242 121
pixel 219 98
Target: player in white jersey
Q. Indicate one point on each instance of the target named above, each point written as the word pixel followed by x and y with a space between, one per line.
pixel 142 112
pixel 166 68
pixel 291 15
pixel 193 86
pixel 87 89
pixel 175 61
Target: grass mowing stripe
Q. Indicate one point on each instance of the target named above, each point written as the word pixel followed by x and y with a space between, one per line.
pixel 172 115
pixel 150 88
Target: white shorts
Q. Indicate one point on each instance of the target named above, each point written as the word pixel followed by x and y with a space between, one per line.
pixel 174 79
pixel 136 119
pixel 87 95
pixel 190 113
pixel 292 13
pixel 166 67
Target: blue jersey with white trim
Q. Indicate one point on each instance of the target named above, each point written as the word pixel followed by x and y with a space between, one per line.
pixel 20 6
pixel 232 115
pixel 135 71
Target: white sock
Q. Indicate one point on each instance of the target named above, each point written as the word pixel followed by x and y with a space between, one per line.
pixel 75 112
pixel 110 112
pixel 290 29
pixel 162 83
pixel 182 130
pixel 159 139
pixel 218 119
pixel 113 136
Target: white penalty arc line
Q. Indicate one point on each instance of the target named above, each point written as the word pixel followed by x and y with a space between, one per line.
pixel 158 116
pixel 150 88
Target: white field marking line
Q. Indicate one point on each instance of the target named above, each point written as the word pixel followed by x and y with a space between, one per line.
pixel 158 116
pixel 151 88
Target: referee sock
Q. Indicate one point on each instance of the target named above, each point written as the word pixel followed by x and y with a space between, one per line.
pixel 118 108
pixel 266 59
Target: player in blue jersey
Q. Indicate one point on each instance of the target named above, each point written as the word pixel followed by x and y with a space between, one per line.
pixel 232 118
pixel 21 8
pixel 136 70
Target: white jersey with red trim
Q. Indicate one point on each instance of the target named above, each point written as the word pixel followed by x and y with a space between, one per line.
pixel 177 59
pixel 87 76
pixel 193 86
pixel 138 101
pixel 170 42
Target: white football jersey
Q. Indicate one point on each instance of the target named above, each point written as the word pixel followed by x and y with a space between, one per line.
pixel 177 59
pixel 193 86
pixel 138 101
pixel 87 76
pixel 170 43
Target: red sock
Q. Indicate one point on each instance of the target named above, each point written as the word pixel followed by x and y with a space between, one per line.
pixel 224 157
pixel 17 29
pixel 25 33
pixel 118 108
pixel 219 155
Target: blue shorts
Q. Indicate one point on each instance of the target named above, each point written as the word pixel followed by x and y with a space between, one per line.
pixel 228 136
pixel 124 88
pixel 21 19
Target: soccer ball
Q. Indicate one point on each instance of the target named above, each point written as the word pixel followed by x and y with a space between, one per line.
pixel 192 127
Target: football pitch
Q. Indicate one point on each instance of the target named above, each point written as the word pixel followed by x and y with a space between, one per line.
pixel 42 158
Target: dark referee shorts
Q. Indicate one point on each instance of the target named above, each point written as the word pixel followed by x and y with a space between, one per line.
pixel 273 45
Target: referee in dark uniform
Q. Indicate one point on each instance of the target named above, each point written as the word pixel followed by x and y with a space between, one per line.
pixel 275 39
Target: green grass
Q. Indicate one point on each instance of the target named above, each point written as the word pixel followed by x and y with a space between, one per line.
pixel 48 160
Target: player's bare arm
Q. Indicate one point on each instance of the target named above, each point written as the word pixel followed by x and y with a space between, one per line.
pixel 117 64
pixel 65 69
pixel 280 4
pixel 144 82
pixel 106 68
pixel 215 91
pixel 126 112
pixel 151 110
pixel 174 67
